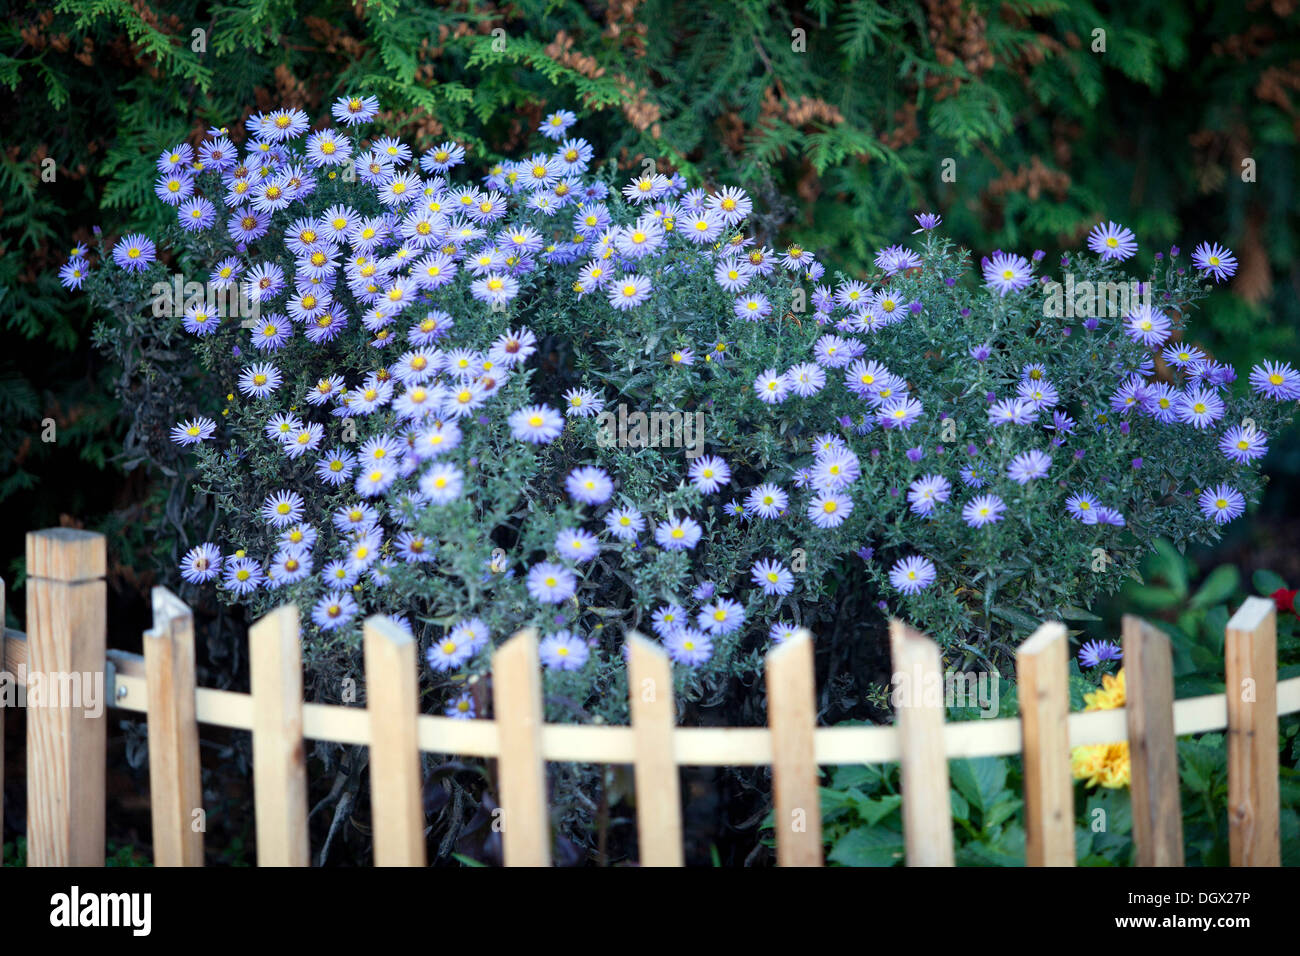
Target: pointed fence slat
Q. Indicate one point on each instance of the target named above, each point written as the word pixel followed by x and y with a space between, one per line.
pixel 792 718
pixel 1042 674
pixel 396 780
pixel 279 760
pixel 658 781
pixel 1250 650
pixel 521 768
pixel 918 709
pixel 1153 748
pixel 66 744
pixel 175 777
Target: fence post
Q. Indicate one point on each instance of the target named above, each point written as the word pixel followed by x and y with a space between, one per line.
pixel 1153 749
pixel 66 745
pixel 521 769
pixel 279 760
pixel 927 808
pixel 1042 671
pixel 396 782
pixel 658 783
pixel 175 778
pixel 792 719
pixel 1254 832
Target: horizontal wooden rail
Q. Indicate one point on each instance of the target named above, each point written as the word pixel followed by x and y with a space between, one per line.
pixel 692 746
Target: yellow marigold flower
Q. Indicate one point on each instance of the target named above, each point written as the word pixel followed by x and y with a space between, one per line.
pixel 1111 694
pixel 1105 765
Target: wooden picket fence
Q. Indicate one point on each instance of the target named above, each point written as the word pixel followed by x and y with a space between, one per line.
pixel 66 747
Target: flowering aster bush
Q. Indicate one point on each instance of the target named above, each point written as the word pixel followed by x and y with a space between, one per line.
pixel 438 409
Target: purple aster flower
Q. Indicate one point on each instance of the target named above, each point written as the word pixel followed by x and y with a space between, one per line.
pixel 723 616
pixel 1094 653
pixel 589 485
pixel 624 523
pixel 351 110
pixel 536 424
pixel 1243 444
pixel 1029 465
pixel 194 431
pixel 686 645
pixel 196 214
pixel 899 412
pixel 1147 325
pixel 709 474
pixel 983 510
pixel 629 292
pixel 1222 503
pixel 773 577
pixel 1083 507
pixel 135 252
pixel 450 652
pixel 334 610
pixel 73 273
pixel 461 707
pixel 667 619
pixel 1276 380
pixel 1008 273
pixel 678 534
pixel 551 583
pixel 1215 260
pixel 1199 407
pixel 576 544
pixel 912 574
pixel 1013 411
pixel 928 492
pixel 201 563
pixel 1112 241
pixel 1110 516
pixel 243 575
pixel 830 509
pixel 927 221
pixel 555 125
pixel 563 651
pixel 766 501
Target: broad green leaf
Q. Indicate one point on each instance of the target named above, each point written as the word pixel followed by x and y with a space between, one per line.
pixel 868 846
pixel 1218 587
pixel 979 780
pixel 1266 582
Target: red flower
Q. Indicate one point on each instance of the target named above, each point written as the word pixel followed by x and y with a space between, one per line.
pixel 1285 600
